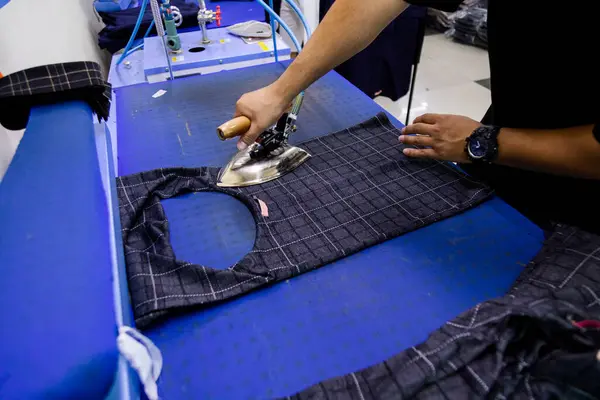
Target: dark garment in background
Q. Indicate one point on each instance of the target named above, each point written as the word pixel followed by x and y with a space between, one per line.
pixel 521 346
pixel 276 8
pixel 385 66
pixel 120 24
pixel 357 190
pixel 544 75
pixel 470 27
pixel 55 83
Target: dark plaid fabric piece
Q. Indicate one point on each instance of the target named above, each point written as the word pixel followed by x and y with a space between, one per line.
pixel 53 83
pixel 356 190
pixel 525 345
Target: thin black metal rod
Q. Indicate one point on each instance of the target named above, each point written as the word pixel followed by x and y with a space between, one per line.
pixel 412 90
pixel 416 60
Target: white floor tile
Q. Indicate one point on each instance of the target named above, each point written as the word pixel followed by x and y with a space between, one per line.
pixel 469 99
pixel 445 81
pixel 9 141
pixel 433 75
pixel 448 55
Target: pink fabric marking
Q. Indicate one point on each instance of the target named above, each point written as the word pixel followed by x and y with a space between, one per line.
pixel 264 210
pixel 588 324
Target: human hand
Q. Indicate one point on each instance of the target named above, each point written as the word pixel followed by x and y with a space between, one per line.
pixel 442 136
pixel 263 107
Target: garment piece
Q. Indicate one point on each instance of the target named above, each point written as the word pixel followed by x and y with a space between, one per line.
pixel 356 190
pixel 533 87
pixel 54 83
pixel 120 24
pixel 384 67
pixel 523 345
pixel 276 8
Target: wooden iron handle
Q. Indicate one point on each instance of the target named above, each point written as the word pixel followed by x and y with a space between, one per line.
pixel 235 127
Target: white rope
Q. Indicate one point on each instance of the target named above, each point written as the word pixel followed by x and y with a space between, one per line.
pixel 158 22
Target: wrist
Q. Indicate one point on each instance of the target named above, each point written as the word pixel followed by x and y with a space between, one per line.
pixel 482 145
pixel 283 92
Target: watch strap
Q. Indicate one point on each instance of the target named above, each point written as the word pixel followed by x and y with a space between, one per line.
pixel 489 134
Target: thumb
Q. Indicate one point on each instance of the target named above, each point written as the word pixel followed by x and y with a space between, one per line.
pixel 249 137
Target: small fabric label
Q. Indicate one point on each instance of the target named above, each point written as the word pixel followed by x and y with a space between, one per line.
pixel 159 93
pixel 264 210
pixel 177 58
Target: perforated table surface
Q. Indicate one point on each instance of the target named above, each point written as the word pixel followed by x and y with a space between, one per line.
pixel 342 317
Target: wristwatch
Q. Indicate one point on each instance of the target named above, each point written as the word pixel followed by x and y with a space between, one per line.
pixel 482 145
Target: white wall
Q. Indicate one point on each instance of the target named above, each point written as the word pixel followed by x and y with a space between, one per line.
pixel 39 32
pixel 311 12
pixel 310 9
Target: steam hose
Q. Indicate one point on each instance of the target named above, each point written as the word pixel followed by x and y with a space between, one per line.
pixel 134 33
pixel 301 16
pixel 281 23
pixel 161 31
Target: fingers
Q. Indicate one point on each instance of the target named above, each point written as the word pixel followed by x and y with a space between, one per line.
pixel 420 129
pixel 263 107
pixel 239 107
pixel 427 119
pixel 249 137
pixel 420 153
pixel 425 141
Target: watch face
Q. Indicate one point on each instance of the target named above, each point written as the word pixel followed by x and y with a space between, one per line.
pixel 478 148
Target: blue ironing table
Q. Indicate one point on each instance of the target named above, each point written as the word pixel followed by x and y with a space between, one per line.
pixel 57 327
pixel 342 317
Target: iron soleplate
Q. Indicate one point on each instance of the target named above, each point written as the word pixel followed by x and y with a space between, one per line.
pixel 242 170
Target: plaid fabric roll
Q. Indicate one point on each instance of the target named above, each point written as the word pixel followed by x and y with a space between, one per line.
pixel 49 84
pixel 537 342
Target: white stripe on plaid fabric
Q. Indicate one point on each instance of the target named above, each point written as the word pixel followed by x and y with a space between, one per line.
pixel 494 350
pixel 357 190
pixel 40 84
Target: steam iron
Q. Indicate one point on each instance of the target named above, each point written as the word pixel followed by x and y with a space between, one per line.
pixel 270 157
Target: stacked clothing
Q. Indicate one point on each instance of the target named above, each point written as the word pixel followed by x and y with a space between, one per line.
pixel 470 27
pixel 467 25
pixel 443 20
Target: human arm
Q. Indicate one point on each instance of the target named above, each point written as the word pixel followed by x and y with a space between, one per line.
pixel 348 27
pixel 573 151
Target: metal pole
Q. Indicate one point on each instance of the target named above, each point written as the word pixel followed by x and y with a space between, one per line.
pixel 412 89
pixel 418 50
pixel 164 40
pixel 273 33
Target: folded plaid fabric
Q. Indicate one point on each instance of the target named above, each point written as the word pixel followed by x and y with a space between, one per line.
pixel 48 84
pixel 539 341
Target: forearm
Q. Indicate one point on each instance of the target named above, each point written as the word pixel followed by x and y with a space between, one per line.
pixel 569 152
pixel 348 27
